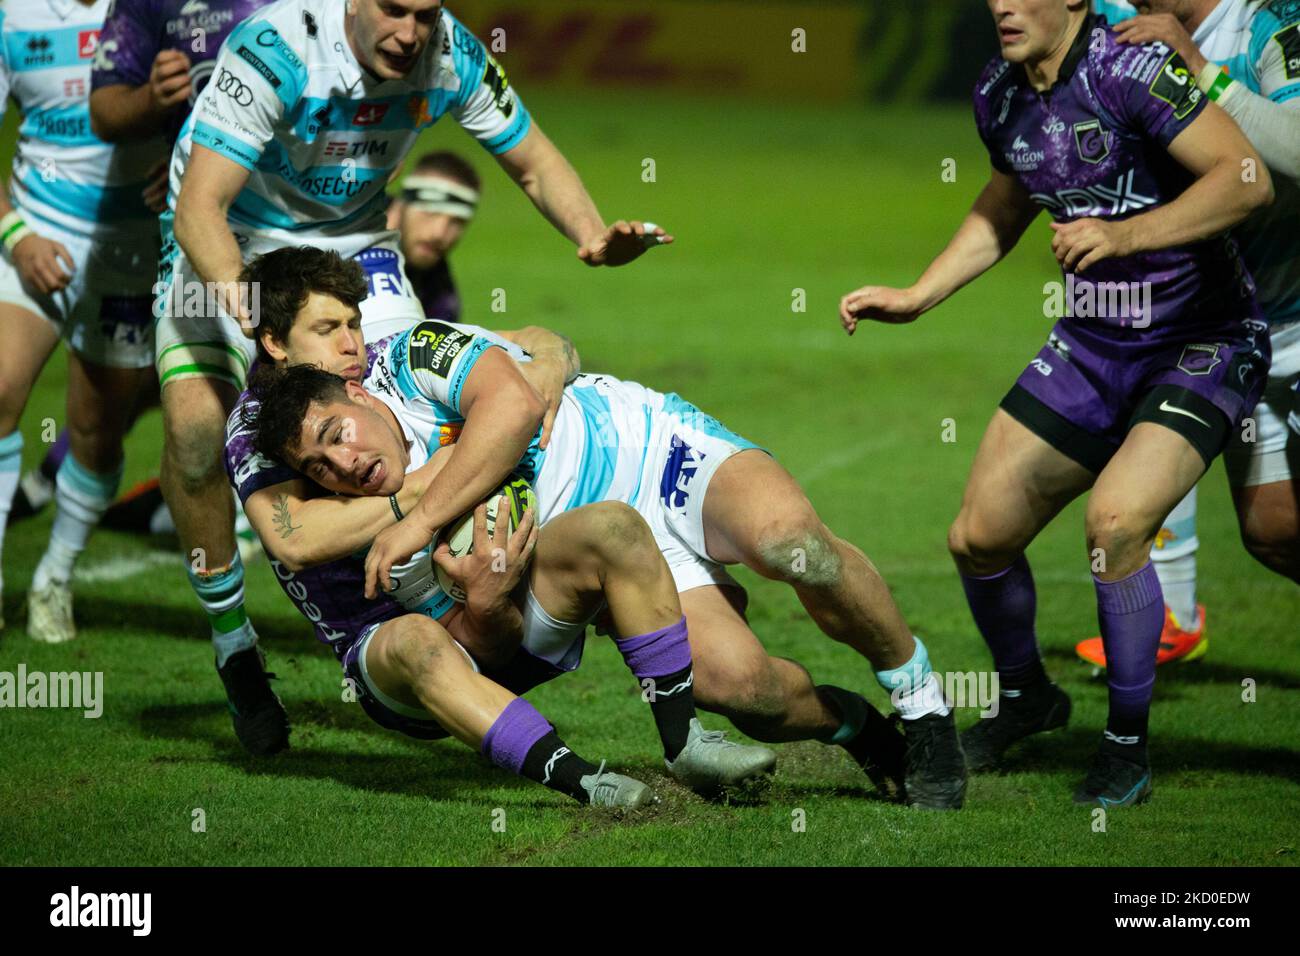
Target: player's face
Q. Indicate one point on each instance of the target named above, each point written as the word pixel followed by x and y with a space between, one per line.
pixel 1031 30
pixel 388 36
pixel 326 333
pixel 349 448
pixel 428 237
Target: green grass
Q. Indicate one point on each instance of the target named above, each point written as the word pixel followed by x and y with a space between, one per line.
pixel 764 200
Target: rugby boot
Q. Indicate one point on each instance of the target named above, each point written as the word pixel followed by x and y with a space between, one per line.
pixel 1016 719
pixel 49 613
pixel 608 789
pixel 1113 780
pixel 709 762
pixel 935 777
pixel 260 720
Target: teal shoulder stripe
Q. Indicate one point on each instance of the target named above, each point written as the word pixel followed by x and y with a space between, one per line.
pixel 108 204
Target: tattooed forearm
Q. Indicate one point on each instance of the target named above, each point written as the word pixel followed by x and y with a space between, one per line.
pixel 282 521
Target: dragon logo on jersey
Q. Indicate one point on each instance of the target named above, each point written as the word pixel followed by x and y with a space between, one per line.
pixel 1092 141
pixel 1289 40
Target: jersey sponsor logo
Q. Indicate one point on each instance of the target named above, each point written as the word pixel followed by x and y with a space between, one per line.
pixel 681 467
pixel 1020 143
pixel 270 37
pixel 365 147
pixel 449 434
pixel 1175 410
pixel 368 114
pixel 38 51
pixel 257 63
pixel 434 347
pixel 1092 142
pixel 234 87
pixel 87 43
pixel 62 127
pixel 1006 106
pixel 1000 72
pixel 297 592
pixel 468 44
pixel 309 22
pixel 1054 126
pixel 195 15
pixel 1175 85
pixel 383 272
pixel 418 109
pixel 1199 359
pixel 319 120
pixel 74 89
pixel 494 77
pixel 346 186
pixel 102 60
pixel 1289 40
pixel 1099 200
pixel 1022 158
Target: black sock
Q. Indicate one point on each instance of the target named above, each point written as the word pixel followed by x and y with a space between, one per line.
pixel 673 706
pixel 1029 678
pixel 552 764
pixel 876 743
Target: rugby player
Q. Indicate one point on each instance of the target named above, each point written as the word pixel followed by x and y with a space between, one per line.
pixel 310 106
pixel 80 243
pixel 709 496
pixel 1246 57
pixel 1142 175
pixel 435 207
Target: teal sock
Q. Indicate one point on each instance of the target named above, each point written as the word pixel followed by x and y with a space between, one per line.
pixel 81 497
pixel 221 592
pixel 912 687
pixel 11 466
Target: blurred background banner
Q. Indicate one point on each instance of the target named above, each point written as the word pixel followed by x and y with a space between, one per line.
pixel 887 50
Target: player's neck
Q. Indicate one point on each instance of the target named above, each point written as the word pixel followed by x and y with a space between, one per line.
pixel 1042 74
pixel 1201 11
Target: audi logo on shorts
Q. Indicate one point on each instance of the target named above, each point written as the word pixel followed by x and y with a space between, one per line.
pixel 233 87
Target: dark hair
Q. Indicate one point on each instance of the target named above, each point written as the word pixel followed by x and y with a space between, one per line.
pixel 451 165
pixel 284 278
pixel 284 395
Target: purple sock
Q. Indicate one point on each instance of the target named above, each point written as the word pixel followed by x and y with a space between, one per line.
pixel 1004 606
pixel 513 734
pixel 661 662
pixel 54 457
pixel 657 654
pixel 1131 612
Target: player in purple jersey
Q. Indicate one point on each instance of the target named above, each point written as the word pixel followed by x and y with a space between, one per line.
pixel 1159 356
pixel 154 58
pixel 437 203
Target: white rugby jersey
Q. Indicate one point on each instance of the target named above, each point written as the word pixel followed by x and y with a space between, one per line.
pixel 288 100
pixel 62 173
pixel 1258 43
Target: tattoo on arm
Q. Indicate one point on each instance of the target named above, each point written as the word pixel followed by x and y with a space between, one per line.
pixel 282 521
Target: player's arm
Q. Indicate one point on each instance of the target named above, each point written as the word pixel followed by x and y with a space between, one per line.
pixel 301 531
pixel 502 413
pixel 211 184
pixel 1212 148
pixel 555 364
pixel 135 88
pixel 1001 214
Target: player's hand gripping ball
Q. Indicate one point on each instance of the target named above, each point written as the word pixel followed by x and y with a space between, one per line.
pixel 459 535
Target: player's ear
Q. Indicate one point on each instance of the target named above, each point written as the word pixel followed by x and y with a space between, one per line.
pixel 272 346
pixel 357 393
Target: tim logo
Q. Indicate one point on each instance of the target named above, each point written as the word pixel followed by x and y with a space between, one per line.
pixel 74 88
pixel 674 487
pixel 368 114
pixel 87 43
pixel 336 147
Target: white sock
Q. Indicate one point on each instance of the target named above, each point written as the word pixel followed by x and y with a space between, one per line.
pixel 1174 557
pixel 11 466
pixel 80 498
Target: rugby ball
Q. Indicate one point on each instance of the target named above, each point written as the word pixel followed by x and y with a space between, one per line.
pixel 459 535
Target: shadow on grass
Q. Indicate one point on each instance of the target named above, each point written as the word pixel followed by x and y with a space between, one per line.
pixel 96 612
pixel 438 770
pixel 1072 749
pixel 1063 663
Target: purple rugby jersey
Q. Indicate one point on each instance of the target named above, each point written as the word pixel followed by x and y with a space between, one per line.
pixel 1094 145
pixel 136 31
pixel 331 596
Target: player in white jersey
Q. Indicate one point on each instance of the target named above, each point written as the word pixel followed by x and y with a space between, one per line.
pixel 311 105
pixel 80 248
pixel 710 497
pixel 1246 56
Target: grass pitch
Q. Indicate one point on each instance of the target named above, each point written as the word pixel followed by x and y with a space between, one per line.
pixel 765 200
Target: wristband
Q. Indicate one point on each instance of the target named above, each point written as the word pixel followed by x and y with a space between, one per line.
pixel 13 229
pixel 1213 80
pixel 392 500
